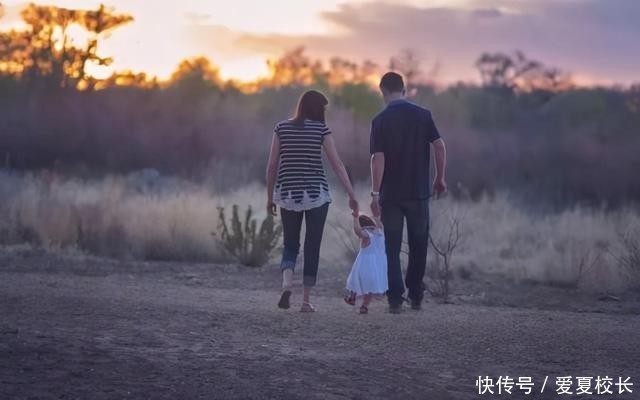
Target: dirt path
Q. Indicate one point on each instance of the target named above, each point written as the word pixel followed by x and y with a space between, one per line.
pixel 94 330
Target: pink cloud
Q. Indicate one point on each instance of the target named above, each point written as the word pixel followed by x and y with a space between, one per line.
pixel 587 37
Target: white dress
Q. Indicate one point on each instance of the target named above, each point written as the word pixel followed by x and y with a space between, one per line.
pixel 369 272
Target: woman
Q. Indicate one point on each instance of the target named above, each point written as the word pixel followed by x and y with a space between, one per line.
pixel 296 181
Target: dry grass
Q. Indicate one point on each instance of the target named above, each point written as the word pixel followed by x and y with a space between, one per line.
pixel 579 248
pixel 164 219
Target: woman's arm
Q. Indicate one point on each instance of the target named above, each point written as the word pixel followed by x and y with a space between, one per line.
pixel 357 229
pixel 338 166
pixel 272 170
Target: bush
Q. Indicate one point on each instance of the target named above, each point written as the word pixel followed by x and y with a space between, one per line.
pixel 628 257
pixel 245 243
pixel 439 271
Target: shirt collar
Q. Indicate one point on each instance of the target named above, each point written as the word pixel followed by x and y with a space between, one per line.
pixel 397 101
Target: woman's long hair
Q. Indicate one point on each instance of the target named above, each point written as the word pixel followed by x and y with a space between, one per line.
pixel 311 106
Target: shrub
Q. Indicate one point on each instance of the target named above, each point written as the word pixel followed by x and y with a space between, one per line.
pixel 439 271
pixel 243 241
pixel 628 257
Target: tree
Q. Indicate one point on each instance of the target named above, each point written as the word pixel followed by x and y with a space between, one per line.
pixel 342 71
pixel 196 72
pixel 13 57
pixel 45 52
pixel 517 72
pixel 99 23
pixel 294 68
pixel 407 64
pixel 130 79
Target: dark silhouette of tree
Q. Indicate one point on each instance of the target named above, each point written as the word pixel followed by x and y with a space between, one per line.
pixel 517 72
pixel 13 59
pixel 99 23
pixel 294 68
pixel 633 98
pixel 196 77
pixel 342 71
pixel 130 79
pixel 45 53
pixel 406 63
pixel 198 71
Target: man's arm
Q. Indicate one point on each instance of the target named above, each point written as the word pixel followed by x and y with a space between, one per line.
pixel 377 166
pixel 440 152
pixel 377 171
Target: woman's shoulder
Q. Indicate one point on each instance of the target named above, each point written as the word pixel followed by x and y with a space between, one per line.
pixel 285 123
pixel 307 125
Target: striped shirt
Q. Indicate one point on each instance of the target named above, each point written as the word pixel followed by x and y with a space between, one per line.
pixel 302 182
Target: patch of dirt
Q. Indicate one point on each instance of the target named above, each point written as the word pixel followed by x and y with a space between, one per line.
pixel 77 327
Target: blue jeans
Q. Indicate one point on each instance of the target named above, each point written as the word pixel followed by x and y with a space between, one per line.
pixel 416 213
pixel 291 226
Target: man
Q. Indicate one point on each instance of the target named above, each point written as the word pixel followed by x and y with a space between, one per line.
pixel 400 139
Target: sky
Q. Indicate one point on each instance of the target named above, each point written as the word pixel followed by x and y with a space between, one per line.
pixel 597 41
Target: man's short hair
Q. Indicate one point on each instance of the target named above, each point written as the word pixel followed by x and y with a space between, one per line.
pixel 392 82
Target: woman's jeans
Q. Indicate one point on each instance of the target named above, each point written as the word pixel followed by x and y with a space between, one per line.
pixel 291 226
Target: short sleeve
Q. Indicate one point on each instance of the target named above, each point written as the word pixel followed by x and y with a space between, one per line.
pixel 276 129
pixel 432 130
pixel 325 130
pixel 376 142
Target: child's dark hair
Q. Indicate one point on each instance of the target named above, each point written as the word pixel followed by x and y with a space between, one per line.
pixel 365 221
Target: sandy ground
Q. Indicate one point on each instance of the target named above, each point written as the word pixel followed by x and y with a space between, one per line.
pixel 84 328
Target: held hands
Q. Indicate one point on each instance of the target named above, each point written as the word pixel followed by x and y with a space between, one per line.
pixel 439 187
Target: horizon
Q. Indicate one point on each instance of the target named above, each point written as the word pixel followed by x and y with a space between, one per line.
pixel 240 43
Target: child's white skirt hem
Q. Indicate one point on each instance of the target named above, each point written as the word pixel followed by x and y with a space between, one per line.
pixel 368 275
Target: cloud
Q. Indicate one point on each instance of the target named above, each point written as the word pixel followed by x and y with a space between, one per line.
pixel 197 18
pixel 10 14
pixel 592 38
pixel 487 13
pixel 214 40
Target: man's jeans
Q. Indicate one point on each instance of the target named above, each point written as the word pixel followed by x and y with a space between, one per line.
pixel 291 226
pixel 417 214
